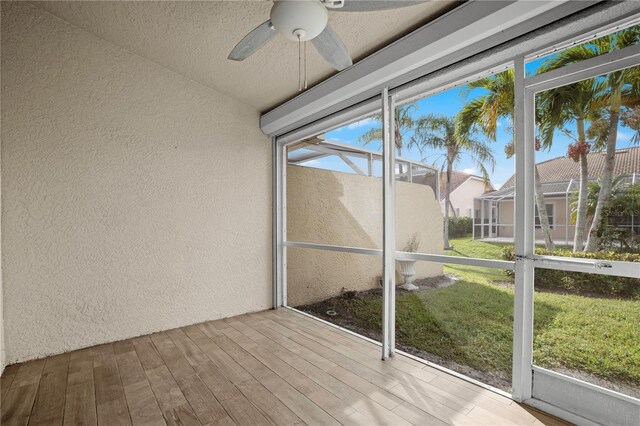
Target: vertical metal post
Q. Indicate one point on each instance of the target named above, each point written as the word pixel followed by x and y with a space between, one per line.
pixel 482 219
pixel 566 216
pixel 473 220
pixel 388 213
pixel 370 164
pixel 633 215
pixel 283 221
pixel 278 224
pixel 410 164
pixel 524 128
pixel 390 228
pixel 490 218
pixel 275 228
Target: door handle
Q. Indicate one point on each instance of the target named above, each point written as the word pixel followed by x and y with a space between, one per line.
pixel 593 264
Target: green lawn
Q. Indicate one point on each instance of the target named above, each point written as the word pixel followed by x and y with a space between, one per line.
pixel 471 323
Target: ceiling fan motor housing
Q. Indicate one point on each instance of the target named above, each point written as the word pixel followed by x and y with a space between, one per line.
pixel 299 20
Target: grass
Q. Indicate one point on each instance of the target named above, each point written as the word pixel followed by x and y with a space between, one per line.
pixel 471 323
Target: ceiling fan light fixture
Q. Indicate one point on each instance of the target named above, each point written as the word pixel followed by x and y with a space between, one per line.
pixel 299 20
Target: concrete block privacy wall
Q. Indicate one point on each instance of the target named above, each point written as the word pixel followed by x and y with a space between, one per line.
pixel 133 199
pixel 328 207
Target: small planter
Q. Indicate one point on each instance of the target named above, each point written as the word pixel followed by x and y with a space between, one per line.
pixel 407 270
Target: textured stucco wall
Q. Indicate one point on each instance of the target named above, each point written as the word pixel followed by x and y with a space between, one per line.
pixel 345 209
pixel 2 353
pixel 134 200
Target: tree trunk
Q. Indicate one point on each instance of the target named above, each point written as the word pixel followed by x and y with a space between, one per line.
pixel 542 214
pixel 604 196
pixel 581 213
pixel 447 201
pixel 398 141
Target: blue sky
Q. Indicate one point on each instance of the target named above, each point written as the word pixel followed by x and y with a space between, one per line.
pixel 449 103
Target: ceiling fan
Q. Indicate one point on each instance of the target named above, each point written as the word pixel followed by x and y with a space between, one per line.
pixel 307 20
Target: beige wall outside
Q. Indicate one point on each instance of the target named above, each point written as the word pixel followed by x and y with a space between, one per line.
pixel 506 219
pixel 133 199
pixel 559 231
pixel 462 197
pixel 345 209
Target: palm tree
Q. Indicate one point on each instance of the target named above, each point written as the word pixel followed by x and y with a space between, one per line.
pixel 580 102
pixel 631 119
pixel 618 189
pixel 403 123
pixel 439 132
pixel 620 91
pixel 484 112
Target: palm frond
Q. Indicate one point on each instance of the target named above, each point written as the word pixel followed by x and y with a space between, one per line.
pixel 374 134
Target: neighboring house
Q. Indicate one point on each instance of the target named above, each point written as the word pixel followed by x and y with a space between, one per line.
pixel 560 178
pixel 465 188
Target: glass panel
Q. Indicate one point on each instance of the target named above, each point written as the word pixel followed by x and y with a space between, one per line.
pixel 460 144
pixel 591 48
pixel 586 327
pixel 584 129
pixel 342 288
pixel 459 317
pixel 334 187
pixel 334 197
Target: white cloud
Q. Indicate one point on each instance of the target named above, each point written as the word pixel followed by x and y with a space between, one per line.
pixel 362 123
pixel 470 171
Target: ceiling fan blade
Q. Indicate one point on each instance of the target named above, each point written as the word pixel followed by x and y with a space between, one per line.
pixel 253 41
pixel 332 49
pixel 373 5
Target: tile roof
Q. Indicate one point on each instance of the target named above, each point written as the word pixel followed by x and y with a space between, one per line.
pixel 564 168
pixel 550 189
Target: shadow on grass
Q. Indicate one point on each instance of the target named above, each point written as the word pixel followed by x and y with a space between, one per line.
pixel 458 253
pixel 467 324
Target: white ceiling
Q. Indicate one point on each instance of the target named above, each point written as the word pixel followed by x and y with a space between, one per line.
pixel 194 39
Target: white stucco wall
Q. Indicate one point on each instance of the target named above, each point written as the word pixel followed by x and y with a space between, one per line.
pixel 134 200
pixel 2 354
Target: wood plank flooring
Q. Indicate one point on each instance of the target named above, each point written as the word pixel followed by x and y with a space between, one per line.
pixel 270 368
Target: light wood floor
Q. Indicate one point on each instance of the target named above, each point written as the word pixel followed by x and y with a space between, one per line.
pixel 274 367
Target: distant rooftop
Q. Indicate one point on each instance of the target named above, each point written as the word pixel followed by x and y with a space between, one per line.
pixel 555 189
pixel 564 169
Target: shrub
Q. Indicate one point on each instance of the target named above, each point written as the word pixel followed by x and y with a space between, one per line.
pixel 618 239
pixel 580 282
pixel 460 226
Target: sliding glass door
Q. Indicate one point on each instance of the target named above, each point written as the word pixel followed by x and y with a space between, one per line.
pixel 583 256
pixel 489 227
pixel 333 225
pixel 454 293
